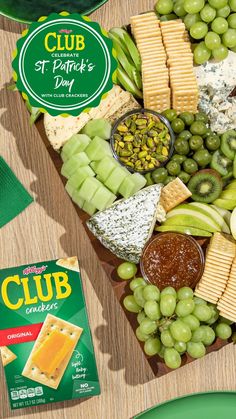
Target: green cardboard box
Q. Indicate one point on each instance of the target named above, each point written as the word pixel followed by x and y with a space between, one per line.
pixel 46 346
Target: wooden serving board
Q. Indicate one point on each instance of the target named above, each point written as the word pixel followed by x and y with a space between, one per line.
pixel 110 263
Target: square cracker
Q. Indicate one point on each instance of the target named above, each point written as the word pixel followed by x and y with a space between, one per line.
pixel 51 324
pixel 173 194
pixel 7 355
pixel 69 263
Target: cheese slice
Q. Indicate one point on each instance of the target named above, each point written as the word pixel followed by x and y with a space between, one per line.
pixel 52 352
pixel 105 105
pixel 126 226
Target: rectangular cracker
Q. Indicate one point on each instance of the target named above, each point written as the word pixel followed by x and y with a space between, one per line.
pixel 51 324
pixel 173 194
pixel 7 355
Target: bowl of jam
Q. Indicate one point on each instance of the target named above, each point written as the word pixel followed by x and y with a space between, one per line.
pixel 172 259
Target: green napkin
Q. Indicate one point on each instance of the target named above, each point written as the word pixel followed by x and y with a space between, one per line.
pixel 13 196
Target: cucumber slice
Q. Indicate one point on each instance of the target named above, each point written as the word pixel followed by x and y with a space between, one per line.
pixel 75 162
pixel 77 199
pixel 105 167
pixel 116 178
pixel 89 208
pixel 102 198
pixel 69 189
pixel 74 145
pixel 79 177
pixel 98 128
pixel 127 83
pixel 97 149
pixel 88 188
pixel 132 184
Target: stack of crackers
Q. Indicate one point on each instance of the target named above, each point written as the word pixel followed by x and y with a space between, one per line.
pixel 155 76
pixel 218 265
pixel 180 63
pixel 227 303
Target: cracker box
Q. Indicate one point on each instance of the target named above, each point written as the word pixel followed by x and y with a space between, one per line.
pixel 45 341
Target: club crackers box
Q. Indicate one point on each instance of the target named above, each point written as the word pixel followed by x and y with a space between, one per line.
pixel 45 341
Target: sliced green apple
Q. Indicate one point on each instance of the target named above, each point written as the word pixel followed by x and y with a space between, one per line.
pixel 231 185
pixel 191 217
pixel 229 194
pixel 226 214
pixel 233 223
pixel 228 204
pixel 184 229
pixel 215 215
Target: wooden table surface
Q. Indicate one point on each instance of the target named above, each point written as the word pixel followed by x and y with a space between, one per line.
pixel 50 228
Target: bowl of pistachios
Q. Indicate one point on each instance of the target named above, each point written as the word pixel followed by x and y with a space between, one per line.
pixel 142 140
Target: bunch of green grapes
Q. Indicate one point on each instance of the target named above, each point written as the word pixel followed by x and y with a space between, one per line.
pixel 211 24
pixel 172 322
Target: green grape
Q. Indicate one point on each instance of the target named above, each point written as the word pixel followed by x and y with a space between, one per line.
pixel 184 307
pixel 194 6
pixel 180 347
pixel 167 305
pixel 138 296
pixel 201 53
pixel 168 291
pixel 229 38
pixel 152 310
pixel 214 315
pixel 223 331
pixel 127 270
pixel 208 14
pixel 220 53
pixel 189 20
pixel 141 316
pixel 179 9
pixel 148 326
pixel 209 335
pixel 136 282
pixel 161 351
pixel 151 292
pixel 196 349
pixel 198 300
pixel 191 321
pixel 130 304
pixel 224 320
pixel 198 30
pixel 184 292
pixel 202 312
pixel 223 12
pixel 219 25
pixel 232 21
pixel 218 4
pixel 167 339
pixel 232 5
pixel 164 7
pixel 142 337
pixel 172 358
pixel 212 40
pixel 152 346
pixel 180 331
pixel 198 335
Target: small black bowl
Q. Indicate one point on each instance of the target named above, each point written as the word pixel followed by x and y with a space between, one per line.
pixel 142 111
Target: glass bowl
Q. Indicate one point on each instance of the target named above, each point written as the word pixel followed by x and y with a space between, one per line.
pixel 141 111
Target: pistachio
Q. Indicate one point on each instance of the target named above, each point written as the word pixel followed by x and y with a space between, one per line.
pixel 122 128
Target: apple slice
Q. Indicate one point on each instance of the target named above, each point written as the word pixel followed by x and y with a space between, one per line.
pixel 229 194
pixel 228 204
pixel 184 229
pixel 213 214
pixel 231 185
pixel 192 217
pixel 226 214
pixel 233 223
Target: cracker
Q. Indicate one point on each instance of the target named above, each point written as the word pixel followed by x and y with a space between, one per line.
pixel 52 324
pixel 228 316
pixel 173 194
pixel 7 355
pixel 69 263
pixel 205 297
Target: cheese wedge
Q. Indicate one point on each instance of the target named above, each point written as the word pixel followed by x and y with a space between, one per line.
pixel 127 225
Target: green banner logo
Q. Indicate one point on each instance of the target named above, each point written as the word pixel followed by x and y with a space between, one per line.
pixel 64 64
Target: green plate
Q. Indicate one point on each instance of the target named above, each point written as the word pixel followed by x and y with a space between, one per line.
pixel 213 405
pixel 27 11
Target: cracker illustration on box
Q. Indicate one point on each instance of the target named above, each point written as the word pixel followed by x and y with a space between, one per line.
pixel 7 355
pixel 69 263
pixel 52 351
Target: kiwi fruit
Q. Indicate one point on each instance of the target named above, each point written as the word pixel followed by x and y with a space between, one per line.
pixel 205 185
pixel 221 163
pixel 228 144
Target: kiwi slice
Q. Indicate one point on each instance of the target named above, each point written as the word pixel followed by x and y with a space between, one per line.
pixel 205 185
pixel 221 163
pixel 228 144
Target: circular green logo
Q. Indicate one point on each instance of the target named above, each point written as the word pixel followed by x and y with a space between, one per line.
pixel 64 64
